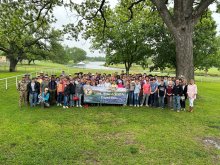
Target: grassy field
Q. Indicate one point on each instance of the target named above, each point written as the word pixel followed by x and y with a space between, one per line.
pixel 110 135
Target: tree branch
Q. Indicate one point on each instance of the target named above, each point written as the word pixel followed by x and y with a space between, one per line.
pixel 165 14
pixel 131 11
pixel 200 9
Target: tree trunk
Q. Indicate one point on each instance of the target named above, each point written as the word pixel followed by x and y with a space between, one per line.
pixel 13 63
pixel 184 52
pixel 29 62
pixel 127 67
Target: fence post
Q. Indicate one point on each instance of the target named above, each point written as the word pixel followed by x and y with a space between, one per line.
pixel 6 83
pixel 16 81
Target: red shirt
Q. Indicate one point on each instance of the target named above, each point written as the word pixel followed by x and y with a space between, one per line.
pixel 169 90
pixel 146 88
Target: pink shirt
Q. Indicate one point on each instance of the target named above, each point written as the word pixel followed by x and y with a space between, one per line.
pixel 120 86
pixel 146 88
pixel 192 91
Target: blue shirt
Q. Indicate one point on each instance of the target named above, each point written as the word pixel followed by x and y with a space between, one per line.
pixel 153 86
pixel 46 96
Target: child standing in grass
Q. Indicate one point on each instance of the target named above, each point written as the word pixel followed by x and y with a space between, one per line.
pixel 191 92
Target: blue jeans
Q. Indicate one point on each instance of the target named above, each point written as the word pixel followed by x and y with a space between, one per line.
pixel 72 102
pixel 161 101
pixel 136 99
pixel 153 99
pixel 79 102
pixel 59 97
pixel 33 98
pixel 176 102
pixel 131 97
pixel 66 99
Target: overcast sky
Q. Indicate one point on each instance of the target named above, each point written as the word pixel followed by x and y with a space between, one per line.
pixel 64 17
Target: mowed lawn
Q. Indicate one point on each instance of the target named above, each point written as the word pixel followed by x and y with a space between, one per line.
pixel 110 135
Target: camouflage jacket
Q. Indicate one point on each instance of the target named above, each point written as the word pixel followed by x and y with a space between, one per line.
pixel 22 86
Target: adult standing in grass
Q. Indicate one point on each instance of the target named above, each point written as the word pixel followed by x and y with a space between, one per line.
pixel 131 93
pixel 153 94
pixel 44 83
pixel 177 92
pixel 191 92
pixel 33 89
pixel 66 94
pixel 79 92
pixel 137 90
pixel 170 94
pixel 52 89
pixel 161 93
pixel 22 88
pixel 72 92
pixel 146 93
pixel 60 90
pixel 184 95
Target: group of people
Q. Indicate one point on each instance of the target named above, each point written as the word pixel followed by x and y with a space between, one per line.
pixel 142 89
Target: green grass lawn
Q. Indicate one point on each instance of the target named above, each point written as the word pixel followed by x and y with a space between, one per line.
pixel 108 134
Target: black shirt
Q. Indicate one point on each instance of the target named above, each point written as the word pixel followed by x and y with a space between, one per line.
pixel 161 90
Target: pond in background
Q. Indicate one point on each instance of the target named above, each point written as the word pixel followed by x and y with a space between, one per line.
pixel 95 65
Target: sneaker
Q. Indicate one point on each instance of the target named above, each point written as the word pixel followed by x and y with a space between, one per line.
pixel 178 110
pixel 67 107
pixel 58 105
pixel 77 105
pixel 130 105
pixel 137 105
pixel 147 105
pixel 80 106
pixel 64 107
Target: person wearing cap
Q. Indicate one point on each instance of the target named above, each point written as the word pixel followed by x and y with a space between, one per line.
pixel 33 89
pixel 22 88
pixel 44 84
pixel 45 96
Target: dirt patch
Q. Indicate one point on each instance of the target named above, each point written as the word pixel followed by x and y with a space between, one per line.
pixel 213 142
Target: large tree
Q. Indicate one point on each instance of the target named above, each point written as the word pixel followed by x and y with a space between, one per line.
pixel 204 49
pixel 24 24
pixel 76 54
pixel 180 17
pixel 123 43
